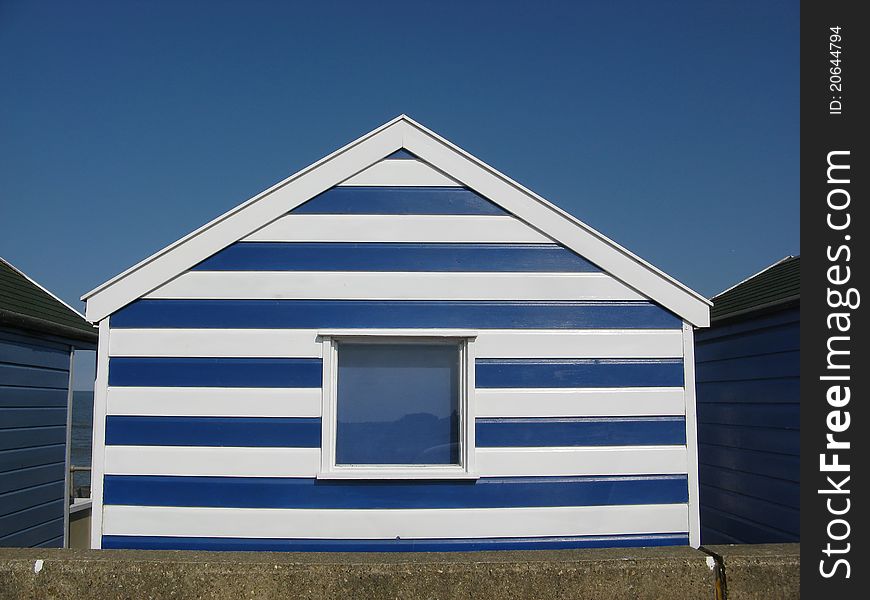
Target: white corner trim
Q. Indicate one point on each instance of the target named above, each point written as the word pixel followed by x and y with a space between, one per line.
pixel 401 132
pixel 692 436
pixel 98 442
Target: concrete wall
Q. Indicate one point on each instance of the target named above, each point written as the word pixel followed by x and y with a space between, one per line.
pixel 676 573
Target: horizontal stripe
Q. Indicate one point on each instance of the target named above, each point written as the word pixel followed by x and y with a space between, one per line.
pixel 216 461
pixel 305 462
pixel 579 402
pixel 391 257
pixel 305 432
pixel 536 373
pixel 402 172
pixel 570 461
pixel 399 201
pixel 273 432
pixel 399 228
pixel 302 314
pixel 347 285
pixel 583 431
pixel 391 523
pixel 214 402
pixel 277 492
pixel 216 372
pixel 393 545
pixel 499 343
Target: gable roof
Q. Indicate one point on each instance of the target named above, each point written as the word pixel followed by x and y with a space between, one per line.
pixel 399 134
pixel 27 305
pixel 772 287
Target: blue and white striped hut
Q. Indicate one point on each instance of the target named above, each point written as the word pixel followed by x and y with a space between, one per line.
pixel 396 348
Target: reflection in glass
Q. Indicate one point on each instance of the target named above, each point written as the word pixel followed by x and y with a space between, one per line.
pixel 398 404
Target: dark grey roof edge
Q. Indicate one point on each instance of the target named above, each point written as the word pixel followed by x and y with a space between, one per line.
pixel 763 308
pixel 29 323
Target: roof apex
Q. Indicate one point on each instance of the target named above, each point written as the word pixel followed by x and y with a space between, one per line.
pixel 398 133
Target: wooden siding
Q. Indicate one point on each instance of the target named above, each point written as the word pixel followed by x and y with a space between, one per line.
pixel 748 429
pixel 213 395
pixel 34 378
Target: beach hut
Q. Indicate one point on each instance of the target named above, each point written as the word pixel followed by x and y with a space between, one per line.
pixel 748 372
pixel 38 336
pixel 396 348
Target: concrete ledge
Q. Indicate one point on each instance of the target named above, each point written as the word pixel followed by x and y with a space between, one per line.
pixel 675 573
pixel 763 571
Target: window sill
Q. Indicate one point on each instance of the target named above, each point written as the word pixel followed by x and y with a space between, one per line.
pixel 398 473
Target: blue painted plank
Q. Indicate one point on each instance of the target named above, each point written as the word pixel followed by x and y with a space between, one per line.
pixel 741 326
pixel 763 341
pixel 30 517
pixel 401 155
pixel 31 476
pixel 278 432
pixel 25 397
pixel 28 437
pixel 23 498
pixel 746 507
pixel 772 489
pixel 779 441
pixel 391 545
pixel 216 372
pixel 743 530
pixel 763 391
pixel 31 417
pixel 558 373
pixel 393 257
pixel 585 431
pixel 12 460
pixel 33 377
pixel 34 536
pixel 769 366
pixel 307 314
pixel 783 466
pixel 34 355
pixel 275 492
pixel 399 201
pixel 777 416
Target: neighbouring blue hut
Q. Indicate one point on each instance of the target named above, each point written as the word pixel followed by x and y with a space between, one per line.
pixel 748 371
pixel 38 336
pixel 396 348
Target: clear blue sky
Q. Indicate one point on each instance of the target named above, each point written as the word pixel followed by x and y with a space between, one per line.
pixel 672 127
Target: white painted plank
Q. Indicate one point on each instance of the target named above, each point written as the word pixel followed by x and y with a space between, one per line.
pixel 400 173
pixel 405 523
pixel 214 402
pixel 584 460
pixel 305 462
pixel 580 402
pixel 212 461
pixel 218 343
pixel 304 343
pixel 480 229
pixel 308 285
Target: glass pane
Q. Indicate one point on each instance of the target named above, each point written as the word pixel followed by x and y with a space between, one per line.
pixel 398 404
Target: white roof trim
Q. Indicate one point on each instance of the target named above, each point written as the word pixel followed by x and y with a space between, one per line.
pixel 401 132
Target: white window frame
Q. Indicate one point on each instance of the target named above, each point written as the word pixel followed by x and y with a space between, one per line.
pixel 331 340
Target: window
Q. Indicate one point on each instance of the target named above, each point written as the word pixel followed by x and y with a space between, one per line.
pixel 396 404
